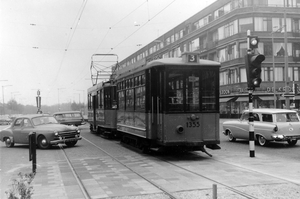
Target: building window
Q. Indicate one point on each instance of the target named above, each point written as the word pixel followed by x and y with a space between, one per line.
pixel 278 23
pixel 245 24
pixel 267 49
pixel 222 55
pixel 231 52
pixel 280 51
pixel 243 75
pixel 243 49
pixel 267 74
pixel 194 45
pixel 279 73
pixel 203 42
pixel 276 3
pixel 262 24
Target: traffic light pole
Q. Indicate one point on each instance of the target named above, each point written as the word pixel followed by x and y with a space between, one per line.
pixel 251 119
pixel 251 125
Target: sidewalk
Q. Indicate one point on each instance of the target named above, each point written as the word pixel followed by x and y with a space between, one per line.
pixel 103 177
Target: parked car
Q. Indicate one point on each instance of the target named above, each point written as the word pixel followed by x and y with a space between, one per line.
pixel 48 131
pixel 74 118
pixel 4 122
pixel 269 125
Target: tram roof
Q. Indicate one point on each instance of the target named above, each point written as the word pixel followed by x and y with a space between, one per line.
pixel 98 86
pixel 180 61
pixel 142 64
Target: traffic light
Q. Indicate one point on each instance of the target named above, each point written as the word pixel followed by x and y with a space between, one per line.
pixel 253 69
pixel 253 42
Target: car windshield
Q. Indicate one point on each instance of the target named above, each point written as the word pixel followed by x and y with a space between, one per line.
pixel 287 117
pixel 44 120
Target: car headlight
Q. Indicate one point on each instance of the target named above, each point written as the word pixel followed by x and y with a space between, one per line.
pixel 55 133
pixel 280 136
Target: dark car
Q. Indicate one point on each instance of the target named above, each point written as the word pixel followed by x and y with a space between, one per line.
pixel 74 118
pixel 48 131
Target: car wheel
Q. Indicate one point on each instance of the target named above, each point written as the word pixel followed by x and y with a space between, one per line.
pixel 9 143
pixel 231 138
pixel 43 142
pixel 292 142
pixel 262 141
pixel 71 144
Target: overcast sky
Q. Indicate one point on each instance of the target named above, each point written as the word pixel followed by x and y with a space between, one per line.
pixel 48 44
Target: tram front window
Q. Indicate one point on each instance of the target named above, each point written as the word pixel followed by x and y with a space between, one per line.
pixel 175 92
pixel 190 91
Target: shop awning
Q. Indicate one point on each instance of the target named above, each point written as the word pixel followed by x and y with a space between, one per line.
pixel 297 97
pixel 225 99
pixel 266 98
pixel 242 99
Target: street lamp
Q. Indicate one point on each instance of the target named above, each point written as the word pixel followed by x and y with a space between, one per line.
pixel 3 97
pixel 273 60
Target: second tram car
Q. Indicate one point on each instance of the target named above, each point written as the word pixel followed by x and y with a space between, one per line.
pixel 102 109
pixel 170 103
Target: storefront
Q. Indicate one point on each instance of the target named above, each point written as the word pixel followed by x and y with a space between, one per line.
pixel 234 100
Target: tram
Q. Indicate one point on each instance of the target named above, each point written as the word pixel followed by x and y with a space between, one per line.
pixel 166 103
pixel 102 109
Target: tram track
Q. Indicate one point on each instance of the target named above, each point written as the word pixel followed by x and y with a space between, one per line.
pixel 169 194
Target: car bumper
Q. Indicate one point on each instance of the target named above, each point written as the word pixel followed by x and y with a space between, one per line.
pixel 285 138
pixel 61 140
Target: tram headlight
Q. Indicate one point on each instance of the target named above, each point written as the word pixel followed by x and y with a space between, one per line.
pixel 180 129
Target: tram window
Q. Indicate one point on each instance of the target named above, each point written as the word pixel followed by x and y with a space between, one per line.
pixel 143 80
pixel 129 99
pixel 140 98
pixel 175 91
pixel 208 90
pixel 121 99
pixel 192 92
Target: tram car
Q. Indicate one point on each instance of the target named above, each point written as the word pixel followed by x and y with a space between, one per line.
pixel 170 103
pixel 102 109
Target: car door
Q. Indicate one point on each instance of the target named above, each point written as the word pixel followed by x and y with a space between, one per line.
pixel 242 126
pixel 17 130
pixel 22 129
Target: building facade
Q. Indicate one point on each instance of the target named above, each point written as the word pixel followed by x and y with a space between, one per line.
pixel 219 33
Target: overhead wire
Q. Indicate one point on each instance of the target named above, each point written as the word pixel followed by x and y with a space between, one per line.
pixel 113 26
pixel 72 30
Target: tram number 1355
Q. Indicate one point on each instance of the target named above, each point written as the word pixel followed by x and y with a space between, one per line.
pixel 192 124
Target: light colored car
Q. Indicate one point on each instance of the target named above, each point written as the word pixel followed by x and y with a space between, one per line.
pixel 48 131
pixel 269 125
pixel 74 118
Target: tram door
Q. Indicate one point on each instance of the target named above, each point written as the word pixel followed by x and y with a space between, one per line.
pixel 156 96
pixel 94 107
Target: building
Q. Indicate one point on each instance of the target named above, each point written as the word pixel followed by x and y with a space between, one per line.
pixel 219 33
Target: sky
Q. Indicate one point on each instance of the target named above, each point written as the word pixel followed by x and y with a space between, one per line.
pixel 48 45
